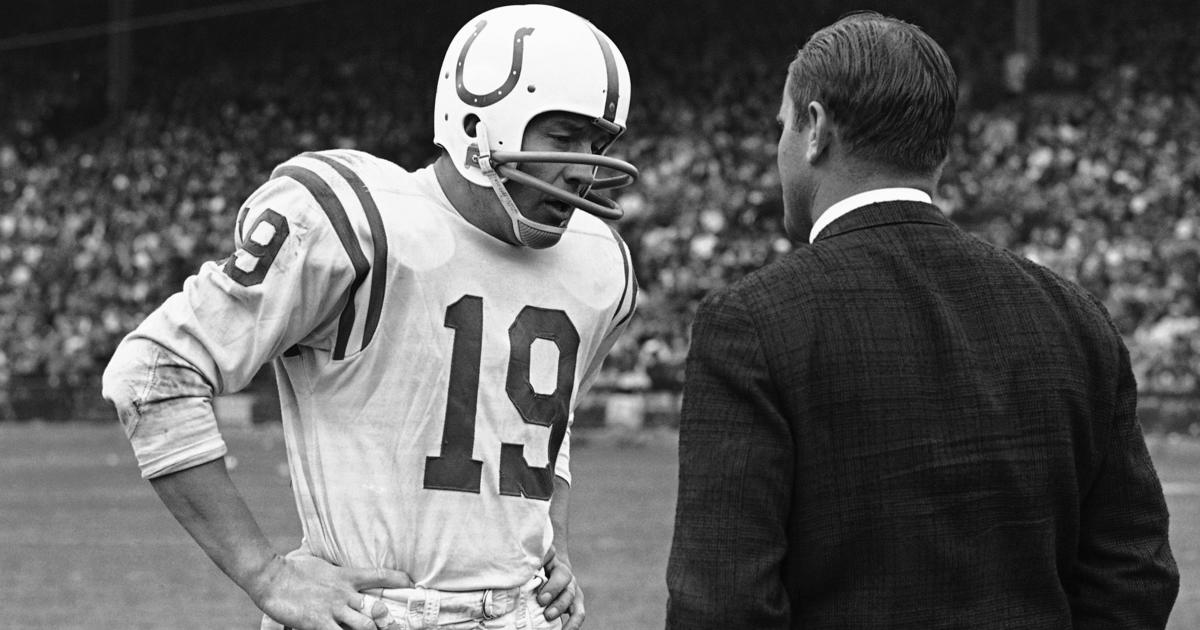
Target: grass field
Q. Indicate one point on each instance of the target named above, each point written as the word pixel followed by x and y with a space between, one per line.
pixel 84 542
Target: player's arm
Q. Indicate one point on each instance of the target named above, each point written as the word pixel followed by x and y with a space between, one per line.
pixel 205 502
pixel 1125 575
pixel 298 591
pixel 282 287
pixel 561 594
pixel 735 467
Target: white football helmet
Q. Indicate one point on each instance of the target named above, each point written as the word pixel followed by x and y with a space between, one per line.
pixel 511 64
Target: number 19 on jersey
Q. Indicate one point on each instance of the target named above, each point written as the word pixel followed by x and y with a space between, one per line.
pixel 454 469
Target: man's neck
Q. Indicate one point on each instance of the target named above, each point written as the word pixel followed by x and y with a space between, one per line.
pixel 835 189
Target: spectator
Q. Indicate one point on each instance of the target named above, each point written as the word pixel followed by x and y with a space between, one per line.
pixel 97 226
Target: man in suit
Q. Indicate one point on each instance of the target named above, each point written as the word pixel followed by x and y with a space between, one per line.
pixel 899 425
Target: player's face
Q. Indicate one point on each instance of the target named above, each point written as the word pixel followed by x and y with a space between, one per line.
pixel 794 172
pixel 563 132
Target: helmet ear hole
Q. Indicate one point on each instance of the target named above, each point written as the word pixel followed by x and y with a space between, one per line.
pixel 470 121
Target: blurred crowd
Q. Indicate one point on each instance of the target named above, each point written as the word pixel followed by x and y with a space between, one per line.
pixel 1092 170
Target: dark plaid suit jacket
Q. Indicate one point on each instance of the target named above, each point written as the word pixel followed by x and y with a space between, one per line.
pixel 901 426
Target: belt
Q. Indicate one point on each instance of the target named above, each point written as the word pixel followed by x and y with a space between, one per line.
pixel 429 604
pixel 499 603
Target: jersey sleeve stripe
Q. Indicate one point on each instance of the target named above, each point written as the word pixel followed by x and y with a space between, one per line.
pixel 632 300
pixel 631 285
pixel 378 239
pixel 241 221
pixel 332 206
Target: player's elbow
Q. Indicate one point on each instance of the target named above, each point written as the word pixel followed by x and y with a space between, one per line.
pixel 164 405
pixel 116 383
pixel 127 377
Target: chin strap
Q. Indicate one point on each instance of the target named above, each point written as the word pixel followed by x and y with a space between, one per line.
pixel 528 233
pixel 485 165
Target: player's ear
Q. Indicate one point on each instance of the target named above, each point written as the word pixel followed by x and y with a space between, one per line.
pixel 820 132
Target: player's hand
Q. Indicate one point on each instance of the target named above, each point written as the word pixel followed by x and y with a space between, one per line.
pixel 561 594
pixel 307 593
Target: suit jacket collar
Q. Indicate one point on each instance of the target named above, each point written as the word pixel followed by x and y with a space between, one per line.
pixel 885 213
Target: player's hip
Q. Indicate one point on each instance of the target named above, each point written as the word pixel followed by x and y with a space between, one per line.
pixel 492 609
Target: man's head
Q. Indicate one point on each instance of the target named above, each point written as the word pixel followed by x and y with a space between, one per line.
pixel 528 100
pixel 870 93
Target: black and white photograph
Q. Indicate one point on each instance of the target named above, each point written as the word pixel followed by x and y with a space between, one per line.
pixel 623 315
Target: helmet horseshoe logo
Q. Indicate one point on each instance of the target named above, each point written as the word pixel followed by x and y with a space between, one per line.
pixel 514 73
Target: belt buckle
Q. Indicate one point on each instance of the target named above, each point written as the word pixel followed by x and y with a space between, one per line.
pixel 498 603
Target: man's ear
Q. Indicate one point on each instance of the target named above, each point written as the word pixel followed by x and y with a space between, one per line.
pixel 820 133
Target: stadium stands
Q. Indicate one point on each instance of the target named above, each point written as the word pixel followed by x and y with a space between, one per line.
pixel 1095 172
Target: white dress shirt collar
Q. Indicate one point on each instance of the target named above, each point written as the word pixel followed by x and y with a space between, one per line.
pixel 854 202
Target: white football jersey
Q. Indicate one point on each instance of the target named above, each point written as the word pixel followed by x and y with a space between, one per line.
pixel 428 372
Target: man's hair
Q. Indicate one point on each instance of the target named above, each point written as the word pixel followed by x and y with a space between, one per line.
pixel 888 87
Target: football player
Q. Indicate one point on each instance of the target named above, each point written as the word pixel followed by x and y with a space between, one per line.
pixel 431 333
